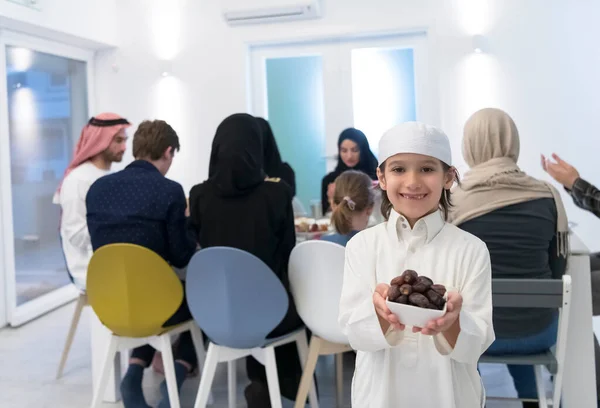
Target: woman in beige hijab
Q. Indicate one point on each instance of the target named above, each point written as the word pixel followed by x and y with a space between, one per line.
pixel 523 222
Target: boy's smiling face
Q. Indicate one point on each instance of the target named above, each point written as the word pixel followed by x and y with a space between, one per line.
pixel 414 184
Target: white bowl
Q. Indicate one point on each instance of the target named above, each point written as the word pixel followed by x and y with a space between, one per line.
pixel 413 315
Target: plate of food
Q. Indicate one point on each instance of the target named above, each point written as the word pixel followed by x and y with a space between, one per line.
pixel 416 300
pixel 309 228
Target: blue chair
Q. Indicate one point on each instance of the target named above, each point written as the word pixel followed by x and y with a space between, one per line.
pixel 237 300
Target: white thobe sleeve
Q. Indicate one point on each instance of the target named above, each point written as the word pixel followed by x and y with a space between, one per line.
pixel 73 222
pixel 476 328
pixel 357 317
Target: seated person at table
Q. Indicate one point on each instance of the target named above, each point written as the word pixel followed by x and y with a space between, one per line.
pixel 354 153
pixel 138 205
pixel 523 222
pixel 274 167
pixel 102 142
pixel 353 202
pixel 239 207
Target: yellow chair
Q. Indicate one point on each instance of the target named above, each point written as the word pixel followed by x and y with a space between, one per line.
pixel 134 292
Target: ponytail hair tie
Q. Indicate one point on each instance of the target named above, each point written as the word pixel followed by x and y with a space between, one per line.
pixel 351 204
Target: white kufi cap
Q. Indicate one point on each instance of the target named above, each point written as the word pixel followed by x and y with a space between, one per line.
pixel 415 137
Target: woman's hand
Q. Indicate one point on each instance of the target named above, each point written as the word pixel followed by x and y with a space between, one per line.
pixel 386 317
pixel 447 323
pixel 560 171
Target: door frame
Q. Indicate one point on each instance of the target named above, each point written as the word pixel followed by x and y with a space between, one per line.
pixel 13 314
pixel 339 115
pixel 329 52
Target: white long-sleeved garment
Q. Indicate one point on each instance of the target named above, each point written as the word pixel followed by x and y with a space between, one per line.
pixel 402 369
pixel 76 242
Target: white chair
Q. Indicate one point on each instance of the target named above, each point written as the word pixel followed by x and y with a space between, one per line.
pixel 316 271
pixel 81 303
pixel 537 293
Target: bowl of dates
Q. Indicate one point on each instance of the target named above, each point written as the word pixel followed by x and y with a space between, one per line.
pixel 416 300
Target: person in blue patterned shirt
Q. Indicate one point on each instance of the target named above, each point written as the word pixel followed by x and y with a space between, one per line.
pixel 138 205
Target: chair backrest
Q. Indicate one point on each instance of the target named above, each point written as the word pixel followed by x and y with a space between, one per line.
pixel 132 289
pixel 316 272
pixel 537 293
pixel 530 293
pixel 235 298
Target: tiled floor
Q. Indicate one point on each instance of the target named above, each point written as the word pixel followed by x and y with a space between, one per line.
pixel 29 357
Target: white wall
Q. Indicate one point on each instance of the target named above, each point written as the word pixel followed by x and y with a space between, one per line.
pixel 541 66
pixel 90 23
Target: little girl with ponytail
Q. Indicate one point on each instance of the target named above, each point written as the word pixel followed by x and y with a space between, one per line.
pixel 353 202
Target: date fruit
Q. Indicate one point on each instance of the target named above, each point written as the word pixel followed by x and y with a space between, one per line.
pixel 398 281
pixel 417 299
pixel 435 298
pixel 441 289
pixel 410 276
pixel 402 299
pixel 422 284
pixel 419 291
pixel 394 293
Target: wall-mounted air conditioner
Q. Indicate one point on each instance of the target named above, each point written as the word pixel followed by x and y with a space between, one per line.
pixel 270 11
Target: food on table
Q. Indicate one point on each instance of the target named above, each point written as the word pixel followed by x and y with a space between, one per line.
pixel 310 225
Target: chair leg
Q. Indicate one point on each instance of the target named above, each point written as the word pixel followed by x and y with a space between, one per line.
pixel 302 345
pixel 109 357
pixel 199 345
pixel 339 379
pixel 232 383
pixel 557 383
pixel 208 374
pixel 200 352
pixel 81 302
pixel 272 379
pixel 541 389
pixel 308 371
pixel 169 364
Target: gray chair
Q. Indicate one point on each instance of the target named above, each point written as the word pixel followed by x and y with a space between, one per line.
pixel 537 293
pixel 237 301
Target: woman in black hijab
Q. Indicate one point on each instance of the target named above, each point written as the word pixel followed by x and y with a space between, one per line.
pixel 272 164
pixel 239 207
pixel 354 153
